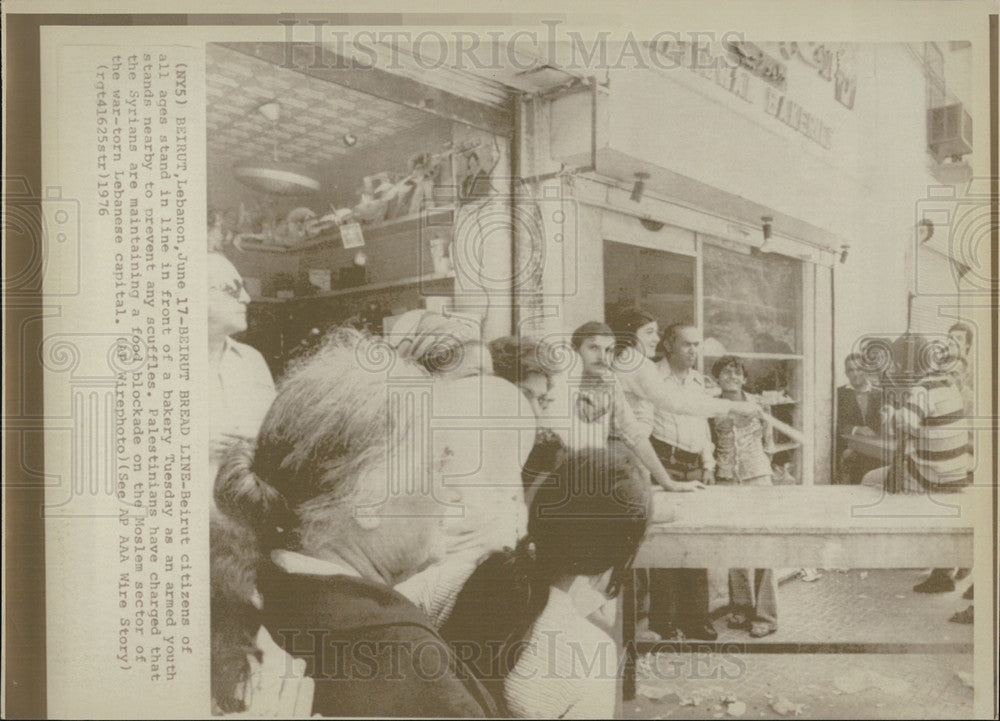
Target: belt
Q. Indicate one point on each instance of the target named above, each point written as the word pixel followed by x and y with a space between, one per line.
pixel 674 455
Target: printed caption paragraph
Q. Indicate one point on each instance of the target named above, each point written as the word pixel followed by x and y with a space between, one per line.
pixel 142 124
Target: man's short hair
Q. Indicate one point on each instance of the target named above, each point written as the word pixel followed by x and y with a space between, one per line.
pixel 588 330
pixel 965 328
pixel 671 333
pixel 856 358
pixel 725 362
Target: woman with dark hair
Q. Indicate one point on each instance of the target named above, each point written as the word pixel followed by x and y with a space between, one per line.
pixel 522 615
pixel 334 505
pixel 637 334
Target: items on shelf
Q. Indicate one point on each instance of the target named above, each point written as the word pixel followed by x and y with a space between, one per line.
pixel 383 195
pixel 259 223
pixel 440 255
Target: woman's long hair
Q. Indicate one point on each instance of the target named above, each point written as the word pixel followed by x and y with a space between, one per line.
pixel 625 321
pixel 326 428
pixel 588 516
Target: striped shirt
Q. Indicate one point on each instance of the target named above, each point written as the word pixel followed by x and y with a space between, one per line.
pixel 938 450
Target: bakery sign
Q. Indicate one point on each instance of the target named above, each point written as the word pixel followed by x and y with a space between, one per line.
pixel 752 74
pixel 834 62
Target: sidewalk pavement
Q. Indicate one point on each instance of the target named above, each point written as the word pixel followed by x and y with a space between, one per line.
pixel 859 606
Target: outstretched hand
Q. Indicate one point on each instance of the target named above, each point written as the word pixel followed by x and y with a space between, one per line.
pixel 748 409
pixel 685 487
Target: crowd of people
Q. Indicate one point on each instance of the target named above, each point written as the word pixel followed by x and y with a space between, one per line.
pixel 404 527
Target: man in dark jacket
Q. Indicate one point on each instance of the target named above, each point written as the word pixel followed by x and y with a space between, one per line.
pixel 859 407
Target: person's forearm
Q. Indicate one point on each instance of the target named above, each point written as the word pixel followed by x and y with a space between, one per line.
pixel 689 403
pixel 644 450
pixel 679 401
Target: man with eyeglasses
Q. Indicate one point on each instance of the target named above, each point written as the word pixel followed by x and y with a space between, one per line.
pixel 241 386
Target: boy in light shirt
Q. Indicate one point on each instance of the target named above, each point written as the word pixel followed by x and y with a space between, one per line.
pixel 743 447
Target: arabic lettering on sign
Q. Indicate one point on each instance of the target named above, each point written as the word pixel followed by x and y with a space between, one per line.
pixel 759 63
pixel 833 62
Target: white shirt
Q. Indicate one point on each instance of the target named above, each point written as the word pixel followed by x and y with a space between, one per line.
pixel 598 410
pixel 242 391
pixel 568 668
pixel 687 432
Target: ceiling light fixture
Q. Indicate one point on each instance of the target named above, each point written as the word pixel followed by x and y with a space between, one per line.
pixel 275 177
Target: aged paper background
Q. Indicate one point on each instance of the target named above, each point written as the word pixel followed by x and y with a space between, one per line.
pixel 86 624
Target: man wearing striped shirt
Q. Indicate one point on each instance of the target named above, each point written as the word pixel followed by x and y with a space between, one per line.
pixel 936 452
pixel 936 448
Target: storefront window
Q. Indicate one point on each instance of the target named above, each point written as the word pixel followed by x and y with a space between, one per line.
pixel 752 307
pixel 752 303
pixel 662 283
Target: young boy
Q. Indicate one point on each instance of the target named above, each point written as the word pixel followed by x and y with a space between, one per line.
pixel 742 452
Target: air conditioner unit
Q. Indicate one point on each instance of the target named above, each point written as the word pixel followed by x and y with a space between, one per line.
pixel 949 132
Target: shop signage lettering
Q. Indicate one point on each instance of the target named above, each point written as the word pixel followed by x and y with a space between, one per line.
pixel 833 63
pixel 729 72
pixel 797 118
pixel 759 63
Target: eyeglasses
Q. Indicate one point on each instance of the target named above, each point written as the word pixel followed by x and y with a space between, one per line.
pixel 233 289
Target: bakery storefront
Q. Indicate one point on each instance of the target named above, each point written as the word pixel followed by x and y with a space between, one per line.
pixel 720 190
pixel 721 185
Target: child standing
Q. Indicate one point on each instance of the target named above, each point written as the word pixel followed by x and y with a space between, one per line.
pixel 742 451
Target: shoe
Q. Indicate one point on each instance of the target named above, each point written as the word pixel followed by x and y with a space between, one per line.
pixel 704 632
pixel 759 629
pixel 964 617
pixel 809 575
pixel 647 636
pixel 738 621
pixel 935 584
pixel 968 593
pixel 962 574
pixel 671 634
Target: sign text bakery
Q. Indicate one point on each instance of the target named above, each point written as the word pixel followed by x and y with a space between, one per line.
pixel 751 74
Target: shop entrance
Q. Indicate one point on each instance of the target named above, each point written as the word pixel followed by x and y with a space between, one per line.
pixel 746 304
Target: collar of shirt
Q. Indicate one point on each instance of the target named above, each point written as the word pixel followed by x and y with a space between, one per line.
pixel 689 376
pixel 231 346
pixel 295 562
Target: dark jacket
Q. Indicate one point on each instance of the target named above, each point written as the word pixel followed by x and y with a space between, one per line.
pixel 849 412
pixel 370 651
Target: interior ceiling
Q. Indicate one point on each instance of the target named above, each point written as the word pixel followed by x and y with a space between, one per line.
pixel 316 114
